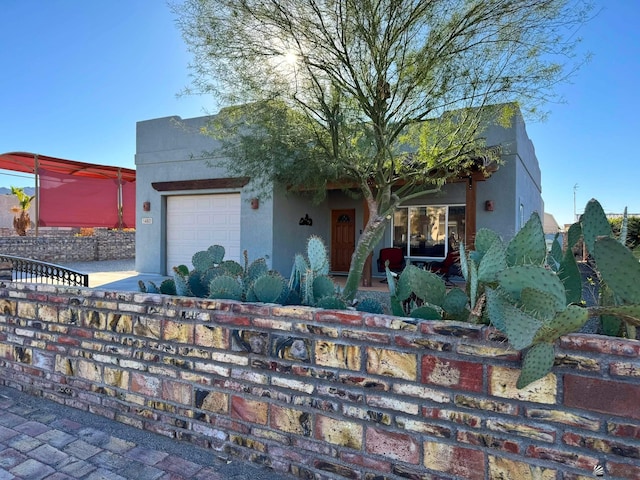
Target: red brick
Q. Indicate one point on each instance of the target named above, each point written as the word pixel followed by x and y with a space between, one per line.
pixel 624 430
pixel 485 440
pixel 601 344
pixel 249 410
pixel 452 373
pixel 463 462
pixel 235 320
pixel 623 470
pixel 571 459
pixel 603 445
pixel 364 461
pixel 177 392
pixel 339 316
pixel 146 385
pixel 604 396
pixel 397 446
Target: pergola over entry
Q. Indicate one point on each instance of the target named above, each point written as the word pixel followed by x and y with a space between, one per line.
pixel 77 194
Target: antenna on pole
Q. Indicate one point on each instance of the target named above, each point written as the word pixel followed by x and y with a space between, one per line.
pixel 575 216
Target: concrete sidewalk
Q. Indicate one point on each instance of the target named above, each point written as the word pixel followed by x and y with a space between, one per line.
pixel 41 439
pixel 115 275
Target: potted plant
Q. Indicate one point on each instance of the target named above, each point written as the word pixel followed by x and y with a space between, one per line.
pixel 21 221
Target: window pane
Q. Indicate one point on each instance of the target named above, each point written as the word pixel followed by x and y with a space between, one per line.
pixel 428 231
pixel 457 227
pixel 400 229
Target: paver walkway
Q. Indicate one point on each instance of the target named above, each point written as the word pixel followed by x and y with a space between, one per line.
pixel 42 440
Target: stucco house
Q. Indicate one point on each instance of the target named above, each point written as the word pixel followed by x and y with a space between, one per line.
pixel 185 205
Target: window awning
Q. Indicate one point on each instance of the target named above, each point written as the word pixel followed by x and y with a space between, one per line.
pixel 77 194
pixel 31 162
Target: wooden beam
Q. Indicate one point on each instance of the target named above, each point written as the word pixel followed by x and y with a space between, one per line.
pixel 204 184
pixel 470 213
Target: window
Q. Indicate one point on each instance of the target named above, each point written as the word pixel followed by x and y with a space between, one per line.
pixel 428 231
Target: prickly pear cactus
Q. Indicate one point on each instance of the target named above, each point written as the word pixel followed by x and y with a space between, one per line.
pixel 322 287
pixel 619 269
pixel 331 303
pixel 202 261
pixel 528 246
pixel 594 224
pixel 217 253
pixel 268 288
pixel 317 255
pixel 537 363
pixel 370 305
pixel 225 287
pixel 196 285
pixel 181 282
pixel 168 287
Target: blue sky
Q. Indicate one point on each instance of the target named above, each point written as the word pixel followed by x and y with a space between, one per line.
pixel 78 75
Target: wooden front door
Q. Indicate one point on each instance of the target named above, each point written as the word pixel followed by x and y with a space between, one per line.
pixel 343 238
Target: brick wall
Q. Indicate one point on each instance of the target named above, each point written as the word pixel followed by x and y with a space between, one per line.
pixel 326 395
pixel 64 246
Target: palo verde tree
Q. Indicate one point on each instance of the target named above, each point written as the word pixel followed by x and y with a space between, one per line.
pixel 387 97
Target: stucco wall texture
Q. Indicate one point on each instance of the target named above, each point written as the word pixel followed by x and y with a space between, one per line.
pixel 326 394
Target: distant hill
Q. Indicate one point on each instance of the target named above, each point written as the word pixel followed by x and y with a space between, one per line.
pixel 27 190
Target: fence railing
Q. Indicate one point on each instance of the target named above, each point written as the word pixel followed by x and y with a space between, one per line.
pixel 18 269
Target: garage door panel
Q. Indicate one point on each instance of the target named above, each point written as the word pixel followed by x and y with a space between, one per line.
pixel 195 222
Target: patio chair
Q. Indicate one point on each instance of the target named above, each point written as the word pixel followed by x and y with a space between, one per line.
pixel 395 257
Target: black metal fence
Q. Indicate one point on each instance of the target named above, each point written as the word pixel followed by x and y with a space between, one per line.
pixel 18 269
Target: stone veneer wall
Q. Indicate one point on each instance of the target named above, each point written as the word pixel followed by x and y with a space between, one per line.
pixel 324 394
pixel 59 247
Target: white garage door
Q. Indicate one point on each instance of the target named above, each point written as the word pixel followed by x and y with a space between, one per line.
pixel 195 222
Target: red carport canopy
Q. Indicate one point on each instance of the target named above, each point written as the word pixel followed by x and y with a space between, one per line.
pixel 77 194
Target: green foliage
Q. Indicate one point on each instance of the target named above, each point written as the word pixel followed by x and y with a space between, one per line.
pixel 632 237
pixel 350 111
pixel 422 294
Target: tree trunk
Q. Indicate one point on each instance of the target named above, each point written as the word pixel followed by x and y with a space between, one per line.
pixel 22 223
pixel 371 236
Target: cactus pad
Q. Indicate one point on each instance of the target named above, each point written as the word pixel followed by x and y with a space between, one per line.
pixel 570 320
pixel 573 235
pixel 317 255
pixel 538 304
pixel 594 224
pixel 629 313
pixel 514 279
pixel 217 253
pixel 493 261
pixel 519 327
pixel 168 287
pixel 268 288
pixel 536 364
pixel 455 304
pixel 528 246
pixel 619 269
pixel 202 261
pixel 224 286
pixel 370 305
pixel 570 277
pixel 180 281
pixel 323 286
pixel 196 285
pixel 484 239
pixel 427 312
pixel 331 303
